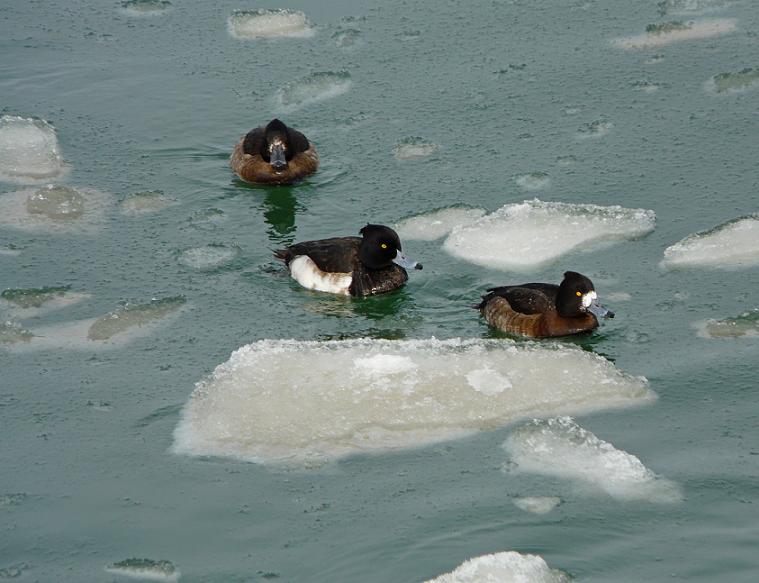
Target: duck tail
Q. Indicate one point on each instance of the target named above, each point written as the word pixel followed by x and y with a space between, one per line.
pixel 283 255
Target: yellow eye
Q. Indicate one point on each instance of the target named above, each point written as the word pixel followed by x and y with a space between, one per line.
pixel 383 245
pixel 578 294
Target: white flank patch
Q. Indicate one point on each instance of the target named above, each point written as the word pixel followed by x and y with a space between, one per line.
pixel 531 234
pixel 253 24
pixel 312 89
pixel 296 402
pixel 744 326
pixel 146 569
pixel 29 150
pixel 559 447
pixel 307 274
pixel 436 224
pixel 504 567
pixel 54 209
pixel 537 504
pixel 669 33
pixel 731 245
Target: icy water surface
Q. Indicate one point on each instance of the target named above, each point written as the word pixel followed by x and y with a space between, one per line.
pixel 174 408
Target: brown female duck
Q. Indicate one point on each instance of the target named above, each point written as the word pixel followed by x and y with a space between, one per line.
pixel 541 310
pixel 274 154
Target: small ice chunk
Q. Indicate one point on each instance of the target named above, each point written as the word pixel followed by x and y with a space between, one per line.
pixel 436 224
pixel 208 219
pixel 34 297
pixel 13 333
pixel 59 203
pixel 665 33
pixel 262 23
pixel 503 567
pixel 53 209
pixel 146 569
pixel 528 235
pixel 347 37
pixel 209 257
pixel 645 86
pixel 745 325
pixel 559 447
pixel 595 129
pixel 145 7
pixel 130 315
pixel 312 89
pixel 304 402
pixel 414 148
pixel 736 82
pixel 731 245
pixel 533 181
pixel 140 203
pixel 29 150
pixel 537 504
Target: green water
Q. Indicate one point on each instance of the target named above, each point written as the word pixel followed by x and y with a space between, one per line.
pixel 156 103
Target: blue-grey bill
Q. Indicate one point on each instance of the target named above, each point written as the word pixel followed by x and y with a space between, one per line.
pixel 599 311
pixel 277 158
pixel 403 261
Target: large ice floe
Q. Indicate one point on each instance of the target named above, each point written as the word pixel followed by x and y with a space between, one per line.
pixel 731 245
pixel 745 325
pixel 146 570
pixel 503 567
pixel 262 23
pixel 307 402
pixel 312 89
pixel 29 150
pixel 54 209
pixel 436 224
pixel 665 33
pixel 561 448
pixel 533 233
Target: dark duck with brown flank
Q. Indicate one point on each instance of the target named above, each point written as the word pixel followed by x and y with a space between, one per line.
pixel 355 266
pixel 274 154
pixel 542 310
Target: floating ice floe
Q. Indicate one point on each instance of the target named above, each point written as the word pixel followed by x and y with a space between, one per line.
pixel 146 569
pixel 54 209
pixel 31 302
pixel 595 129
pixel 731 245
pixel 665 33
pixel 531 234
pixel 537 504
pixel 745 325
pixel 262 23
pixel 533 181
pixel 312 89
pixel 561 448
pixel 692 6
pixel 737 82
pixel 117 328
pixel 209 257
pixel 29 150
pixel 145 7
pixel 14 333
pixel 436 224
pixel 140 203
pixel 414 148
pixel 298 402
pixel 503 567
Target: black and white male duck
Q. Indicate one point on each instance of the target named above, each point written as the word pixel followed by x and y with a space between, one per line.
pixel 542 310
pixel 355 266
pixel 274 154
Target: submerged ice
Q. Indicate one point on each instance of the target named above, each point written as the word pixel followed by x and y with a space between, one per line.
pixel 530 234
pixel 145 7
pixel 209 257
pixel 414 148
pixel 503 567
pixel 665 33
pixel 146 569
pixel 731 245
pixel 262 23
pixel 140 203
pixel 745 325
pixel 312 89
pixel 734 82
pixel 303 401
pixel 53 208
pixel 29 150
pixel 131 315
pixel 436 224
pixel 533 181
pixel 561 448
pixel 537 504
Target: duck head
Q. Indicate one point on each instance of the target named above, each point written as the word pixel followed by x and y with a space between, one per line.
pixel 276 149
pixel 577 296
pixel 381 247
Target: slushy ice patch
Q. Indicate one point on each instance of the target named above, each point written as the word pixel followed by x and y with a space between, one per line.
pixel 131 315
pixel 504 567
pixel 145 7
pixel 736 82
pixel 731 245
pixel 312 89
pixel 54 209
pixel 209 257
pixel 533 181
pixel 531 234
pixel 145 569
pixel 253 24
pixel 307 402
pixel 664 33
pixel 745 325
pixel 141 203
pixel 561 448
pixel 29 150
pixel 414 148
pixel 537 504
